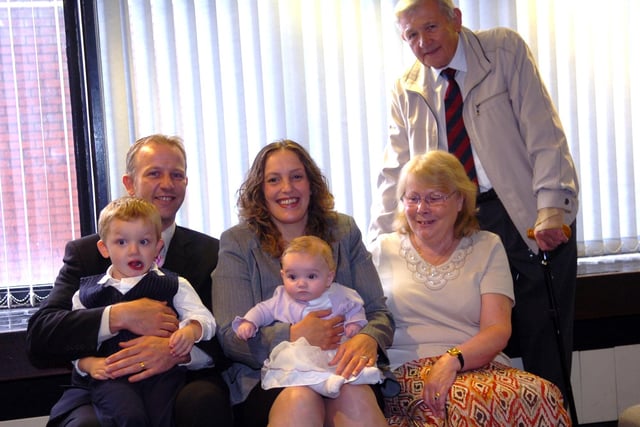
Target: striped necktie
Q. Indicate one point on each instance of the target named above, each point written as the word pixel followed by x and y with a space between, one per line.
pixel 457 137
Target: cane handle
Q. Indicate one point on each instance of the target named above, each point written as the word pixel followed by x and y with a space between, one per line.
pixel 565 229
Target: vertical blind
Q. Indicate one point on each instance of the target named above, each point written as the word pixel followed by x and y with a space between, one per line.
pixel 38 201
pixel 229 76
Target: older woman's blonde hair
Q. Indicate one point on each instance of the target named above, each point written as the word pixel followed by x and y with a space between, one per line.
pixel 441 171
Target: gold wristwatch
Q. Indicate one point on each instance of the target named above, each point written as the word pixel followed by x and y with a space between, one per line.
pixel 454 351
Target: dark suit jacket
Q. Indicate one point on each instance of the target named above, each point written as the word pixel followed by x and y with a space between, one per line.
pixel 56 334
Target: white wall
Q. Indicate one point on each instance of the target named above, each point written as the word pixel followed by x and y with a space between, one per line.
pixel 605 382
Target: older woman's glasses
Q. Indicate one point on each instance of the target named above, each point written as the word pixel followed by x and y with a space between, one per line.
pixel 431 199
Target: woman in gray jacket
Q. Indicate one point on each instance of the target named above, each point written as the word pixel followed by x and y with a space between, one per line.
pixel 285 196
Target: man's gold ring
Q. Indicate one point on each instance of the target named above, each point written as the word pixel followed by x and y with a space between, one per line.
pixel 142 366
pixel 364 358
pixel 436 396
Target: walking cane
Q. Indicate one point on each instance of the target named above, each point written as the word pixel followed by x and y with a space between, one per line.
pixel 548 279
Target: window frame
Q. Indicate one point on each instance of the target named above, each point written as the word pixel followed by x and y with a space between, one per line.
pixel 86 111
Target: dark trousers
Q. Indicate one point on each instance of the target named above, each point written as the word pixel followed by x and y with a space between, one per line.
pixel 534 336
pixel 204 398
pixel 204 401
pixel 119 403
pixel 254 411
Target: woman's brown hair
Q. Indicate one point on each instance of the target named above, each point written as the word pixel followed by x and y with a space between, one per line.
pixel 252 205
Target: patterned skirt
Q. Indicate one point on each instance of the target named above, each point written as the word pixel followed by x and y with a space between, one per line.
pixel 493 396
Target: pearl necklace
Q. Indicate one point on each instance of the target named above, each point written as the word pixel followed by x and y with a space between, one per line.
pixel 435 276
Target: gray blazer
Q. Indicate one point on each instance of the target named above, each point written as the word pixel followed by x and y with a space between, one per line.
pixel 246 275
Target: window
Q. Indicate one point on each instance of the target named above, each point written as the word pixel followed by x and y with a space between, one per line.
pixel 229 76
pixel 319 71
pixel 38 196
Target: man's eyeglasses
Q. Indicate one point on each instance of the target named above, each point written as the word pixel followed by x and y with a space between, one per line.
pixel 432 199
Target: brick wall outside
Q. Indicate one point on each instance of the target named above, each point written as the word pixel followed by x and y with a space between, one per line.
pixel 38 201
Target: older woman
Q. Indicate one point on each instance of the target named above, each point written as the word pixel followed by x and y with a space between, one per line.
pixel 285 196
pixel 450 290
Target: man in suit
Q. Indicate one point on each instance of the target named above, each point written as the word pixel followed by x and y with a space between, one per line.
pixel 156 171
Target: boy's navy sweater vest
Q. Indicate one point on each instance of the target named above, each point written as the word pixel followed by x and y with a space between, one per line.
pixel 93 295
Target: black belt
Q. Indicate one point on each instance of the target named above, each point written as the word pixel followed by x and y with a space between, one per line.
pixel 486 196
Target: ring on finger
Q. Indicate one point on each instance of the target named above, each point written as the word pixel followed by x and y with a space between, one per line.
pixel 142 366
pixel 436 396
pixel 365 358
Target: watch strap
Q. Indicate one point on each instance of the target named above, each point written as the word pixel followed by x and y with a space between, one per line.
pixel 454 351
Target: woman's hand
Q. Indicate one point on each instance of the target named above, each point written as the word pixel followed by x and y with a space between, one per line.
pixel 355 354
pixel 324 333
pixel 438 380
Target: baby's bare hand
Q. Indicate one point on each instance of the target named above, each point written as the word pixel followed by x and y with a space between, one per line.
pixel 246 330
